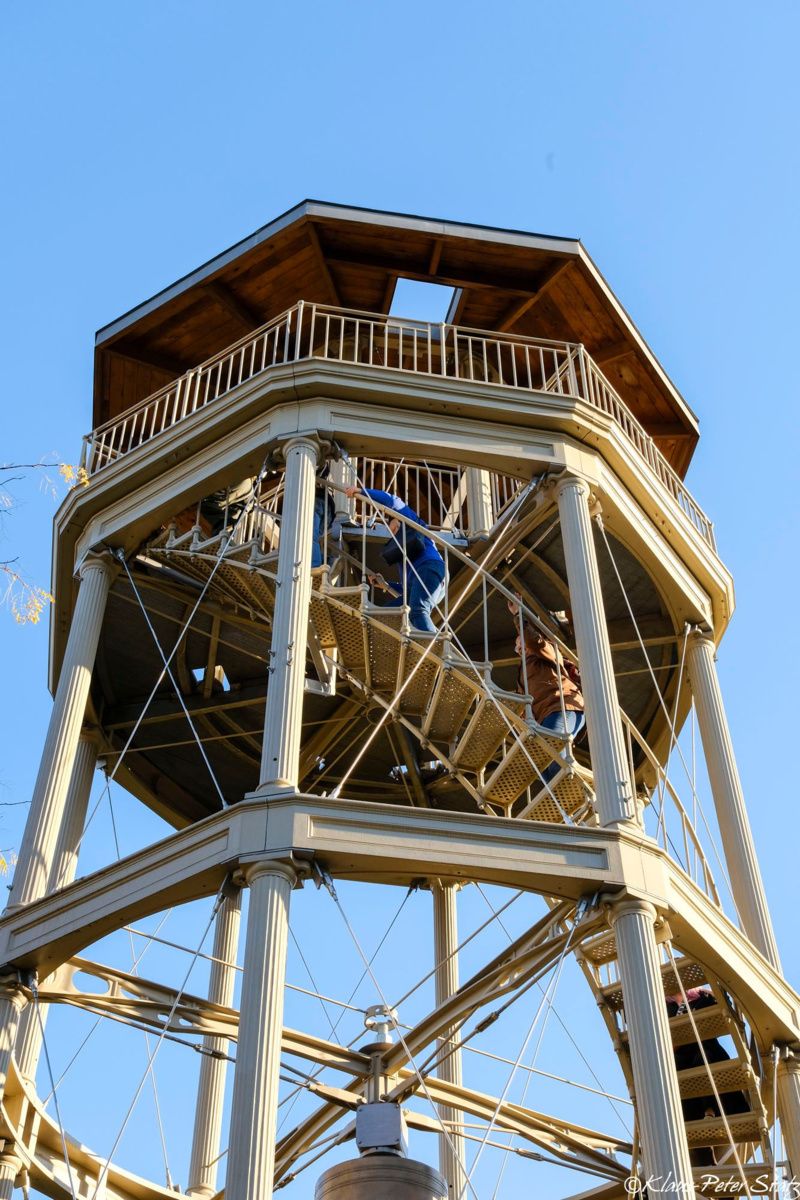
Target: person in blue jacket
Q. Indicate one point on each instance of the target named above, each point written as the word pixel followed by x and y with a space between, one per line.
pixel 423 566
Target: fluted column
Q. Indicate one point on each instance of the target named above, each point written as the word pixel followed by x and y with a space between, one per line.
pixel 12 1001
pixel 206 1140
pixel 658 1105
pixel 251 1145
pixel 43 829
pixel 726 787
pixel 789 1108
pixel 445 945
pixel 65 865
pixel 612 783
pixel 10 1167
pixel 342 474
pixel 284 711
pixel 747 885
pixel 480 510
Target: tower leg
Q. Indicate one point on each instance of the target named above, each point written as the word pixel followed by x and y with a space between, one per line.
pixel 480 510
pixel 658 1105
pixel 206 1140
pixel 445 944
pixel 664 1147
pixel 740 854
pixel 43 829
pixel 12 1002
pixel 609 762
pixel 10 1167
pixel 251 1146
pixel 284 712
pixel 65 865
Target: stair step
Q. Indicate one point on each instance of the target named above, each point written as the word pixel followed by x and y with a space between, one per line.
pixel 418 678
pixel 385 652
pixel 571 792
pixel 451 701
pixel 730 1075
pixel 710 1022
pixel 349 634
pixel 600 950
pixel 487 728
pixel 692 974
pixel 522 765
pixel 321 618
pixel 711 1131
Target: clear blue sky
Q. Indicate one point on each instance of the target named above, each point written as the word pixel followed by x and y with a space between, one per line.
pixel 141 138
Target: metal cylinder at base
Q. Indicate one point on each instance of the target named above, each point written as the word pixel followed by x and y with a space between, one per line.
pixel 381 1177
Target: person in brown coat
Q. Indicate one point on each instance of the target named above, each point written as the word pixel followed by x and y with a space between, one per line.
pixel 554 688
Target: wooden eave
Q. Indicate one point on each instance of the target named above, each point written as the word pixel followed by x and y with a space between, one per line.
pixel 506 280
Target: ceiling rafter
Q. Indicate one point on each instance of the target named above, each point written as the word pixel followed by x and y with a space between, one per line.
pixel 518 309
pixel 223 295
pixel 322 262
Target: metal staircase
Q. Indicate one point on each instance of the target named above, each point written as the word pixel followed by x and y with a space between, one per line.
pixel 479 733
pixel 739 1080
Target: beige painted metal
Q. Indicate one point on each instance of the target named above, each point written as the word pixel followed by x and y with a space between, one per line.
pixel 740 854
pixel 43 829
pixel 284 709
pixel 65 865
pixel 10 1166
pixel 658 1105
pixel 394 414
pixel 726 788
pixel 361 840
pixel 613 786
pixel 207 1135
pixel 12 1002
pixel 452 1147
pixel 480 508
pixel 251 1144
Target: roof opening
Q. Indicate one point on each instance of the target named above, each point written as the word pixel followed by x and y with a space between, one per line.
pixel 421 301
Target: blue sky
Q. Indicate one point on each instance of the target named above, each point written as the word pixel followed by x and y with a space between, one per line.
pixel 139 139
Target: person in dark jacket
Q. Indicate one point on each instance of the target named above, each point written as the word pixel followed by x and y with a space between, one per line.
pixel 695 1108
pixel 423 565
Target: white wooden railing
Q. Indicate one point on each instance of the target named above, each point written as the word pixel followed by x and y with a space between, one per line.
pixel 309 331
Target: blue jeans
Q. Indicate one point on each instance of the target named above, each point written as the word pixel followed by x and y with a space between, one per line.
pixel 426 587
pixel 320 506
pixel 567 723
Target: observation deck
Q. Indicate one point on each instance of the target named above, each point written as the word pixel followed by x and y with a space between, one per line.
pixel 563 372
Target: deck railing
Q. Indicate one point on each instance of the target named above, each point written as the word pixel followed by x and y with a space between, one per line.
pixel 309 331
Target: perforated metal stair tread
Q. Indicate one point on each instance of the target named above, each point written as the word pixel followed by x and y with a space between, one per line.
pixel 730 1075
pixel 710 1022
pixel 692 974
pixel 711 1131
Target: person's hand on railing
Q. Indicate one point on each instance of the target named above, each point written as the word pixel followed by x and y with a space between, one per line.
pixel 352 489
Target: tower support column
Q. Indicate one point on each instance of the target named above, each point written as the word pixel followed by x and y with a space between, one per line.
pixel 740 854
pixel 726 788
pixel 44 826
pixel 445 946
pixel 251 1145
pixel 658 1105
pixel 10 1167
pixel 206 1139
pixel 612 783
pixel 480 510
pixel 284 711
pixel 65 866
pixel 13 999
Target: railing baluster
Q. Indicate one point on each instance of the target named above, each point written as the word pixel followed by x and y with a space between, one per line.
pixel 573 372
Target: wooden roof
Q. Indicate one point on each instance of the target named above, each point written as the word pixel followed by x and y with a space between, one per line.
pixel 506 280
